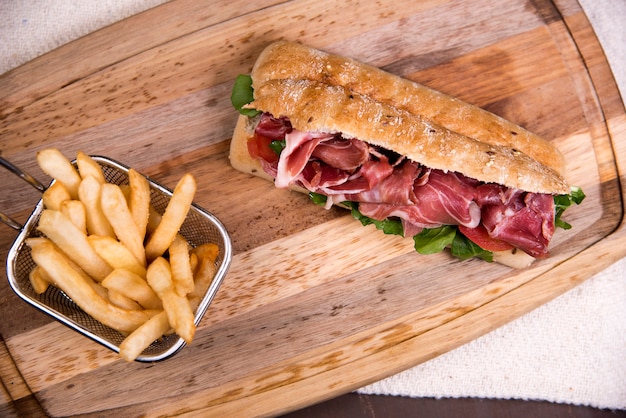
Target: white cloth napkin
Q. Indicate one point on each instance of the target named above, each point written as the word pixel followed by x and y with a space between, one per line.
pixel 571 350
pixel 30 28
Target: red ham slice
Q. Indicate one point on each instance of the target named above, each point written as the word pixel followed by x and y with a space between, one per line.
pixel 296 154
pixel 387 185
pixel 525 220
pixel 272 127
pixel 345 154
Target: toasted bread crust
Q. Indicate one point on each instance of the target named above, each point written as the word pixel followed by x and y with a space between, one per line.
pixel 327 93
pixel 239 156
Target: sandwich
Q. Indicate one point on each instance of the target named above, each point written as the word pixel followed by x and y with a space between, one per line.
pixel 408 159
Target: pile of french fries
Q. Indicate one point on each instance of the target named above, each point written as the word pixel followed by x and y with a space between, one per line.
pixel 115 256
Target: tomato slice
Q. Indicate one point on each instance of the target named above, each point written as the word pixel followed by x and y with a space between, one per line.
pixel 259 147
pixel 480 237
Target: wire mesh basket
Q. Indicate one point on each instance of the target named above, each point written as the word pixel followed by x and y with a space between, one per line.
pixel 199 227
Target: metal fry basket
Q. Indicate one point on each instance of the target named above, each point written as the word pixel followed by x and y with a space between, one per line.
pixel 199 227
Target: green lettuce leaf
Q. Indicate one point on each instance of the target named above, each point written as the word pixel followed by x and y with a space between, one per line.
pixel 434 240
pixel 388 226
pixel 464 248
pixel 318 199
pixel 278 146
pixel 242 94
pixel 564 201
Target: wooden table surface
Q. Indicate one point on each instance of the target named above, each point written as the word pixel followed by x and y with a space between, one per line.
pixel 315 305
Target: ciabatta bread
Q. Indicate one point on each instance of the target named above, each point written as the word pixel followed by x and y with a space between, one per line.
pixel 320 92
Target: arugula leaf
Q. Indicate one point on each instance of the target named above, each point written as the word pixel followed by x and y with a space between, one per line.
pixel 242 94
pixel 318 199
pixel 388 226
pixel 278 146
pixel 564 201
pixel 464 248
pixel 434 240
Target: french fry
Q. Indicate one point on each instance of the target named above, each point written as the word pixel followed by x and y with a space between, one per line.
pixel 75 211
pixel 125 188
pixel 96 286
pixel 55 195
pixel 154 219
pixel 177 308
pixel 88 167
pixel 204 272
pixel 182 275
pixel 174 216
pixel 54 164
pixel 73 242
pixel 93 250
pixel 39 280
pixel 207 251
pixel 56 265
pixel 116 211
pixel 116 254
pixel 134 344
pixel 121 300
pixel 134 287
pixel 89 193
pixel 139 201
pixel 193 261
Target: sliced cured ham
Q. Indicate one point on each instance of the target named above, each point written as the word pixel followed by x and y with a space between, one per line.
pixel 386 185
pixel 297 153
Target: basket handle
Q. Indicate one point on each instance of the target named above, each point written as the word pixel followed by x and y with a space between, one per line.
pixel 28 179
pixel 22 174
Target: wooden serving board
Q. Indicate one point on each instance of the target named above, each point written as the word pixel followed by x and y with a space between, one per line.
pixel 315 305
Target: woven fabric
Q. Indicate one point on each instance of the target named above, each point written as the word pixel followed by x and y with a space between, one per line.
pixel 30 28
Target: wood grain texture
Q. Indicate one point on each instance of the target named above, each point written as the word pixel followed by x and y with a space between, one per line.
pixel 314 304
